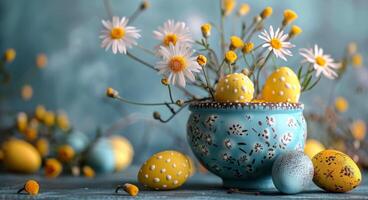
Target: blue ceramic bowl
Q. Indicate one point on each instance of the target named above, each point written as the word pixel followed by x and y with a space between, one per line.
pixel 240 141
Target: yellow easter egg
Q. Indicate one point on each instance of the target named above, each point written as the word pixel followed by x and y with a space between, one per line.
pixel 165 170
pixel 235 87
pixel 20 156
pixel 282 86
pixel 312 147
pixel 334 171
pixel 123 152
pixel 192 167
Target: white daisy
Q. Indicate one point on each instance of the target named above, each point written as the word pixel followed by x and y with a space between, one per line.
pixel 174 33
pixel 275 42
pixel 118 35
pixel 321 63
pixel 177 64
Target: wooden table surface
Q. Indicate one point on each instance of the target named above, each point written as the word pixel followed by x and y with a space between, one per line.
pixel 200 186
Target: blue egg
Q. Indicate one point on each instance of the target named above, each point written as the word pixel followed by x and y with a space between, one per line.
pixel 292 172
pixel 101 156
pixel 77 140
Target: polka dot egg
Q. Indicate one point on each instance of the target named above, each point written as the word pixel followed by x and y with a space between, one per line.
pixel 282 86
pixel 165 170
pixel 335 172
pixel 235 87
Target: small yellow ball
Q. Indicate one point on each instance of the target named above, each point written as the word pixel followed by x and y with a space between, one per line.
pixel 235 87
pixel 282 86
pixel 312 147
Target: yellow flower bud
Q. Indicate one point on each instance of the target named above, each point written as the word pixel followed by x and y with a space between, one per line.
pixel 66 153
pixel 352 48
pixel 144 5
pixel 230 57
pixel 88 172
pixel 42 146
pixel 53 168
pixel 243 9
pixel 358 129
pixel 248 47
pixel 31 133
pixel 245 71
pixel 179 102
pixel 131 189
pixel 201 60
pixel 289 16
pixel 26 92
pixel 341 104
pixel 357 60
pixel 40 112
pixel 9 55
pixel 206 30
pixel 165 81
pixel 228 6
pixel 62 121
pixel 31 187
pixel 111 92
pixel 49 118
pixel 236 42
pixel 267 12
pixel 295 31
pixel 22 121
pixel 41 60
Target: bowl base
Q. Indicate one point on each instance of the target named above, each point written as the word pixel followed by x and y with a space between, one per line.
pixel 258 185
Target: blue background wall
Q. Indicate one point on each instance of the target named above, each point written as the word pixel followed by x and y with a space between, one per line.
pixel 79 70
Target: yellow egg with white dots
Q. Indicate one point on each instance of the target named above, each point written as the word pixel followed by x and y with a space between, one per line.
pixel 282 86
pixel 165 170
pixel 235 87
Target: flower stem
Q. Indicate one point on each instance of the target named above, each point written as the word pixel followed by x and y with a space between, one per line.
pixel 107 5
pixel 170 94
pixel 142 104
pixel 207 82
pixel 141 61
pixel 260 69
pixel 222 21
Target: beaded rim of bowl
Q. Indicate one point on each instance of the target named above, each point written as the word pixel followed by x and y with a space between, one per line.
pixel 266 106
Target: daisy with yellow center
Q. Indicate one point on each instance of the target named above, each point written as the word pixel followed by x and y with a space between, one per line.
pixel 177 64
pixel 118 35
pixel 276 43
pixel 173 33
pixel 322 63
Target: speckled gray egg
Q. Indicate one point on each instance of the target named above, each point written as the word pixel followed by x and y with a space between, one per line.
pixel 292 172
